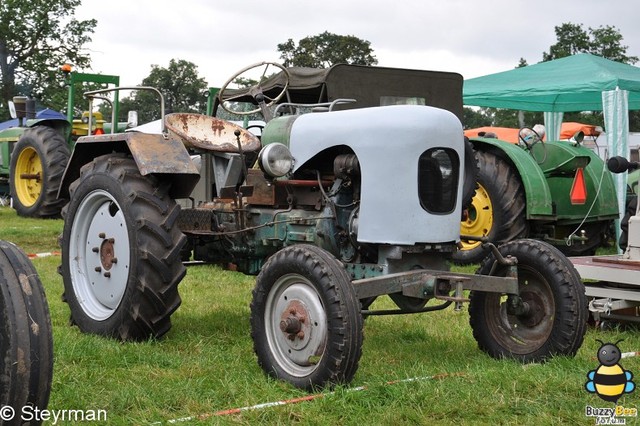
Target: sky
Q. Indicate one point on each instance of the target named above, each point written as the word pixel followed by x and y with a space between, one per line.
pixel 470 37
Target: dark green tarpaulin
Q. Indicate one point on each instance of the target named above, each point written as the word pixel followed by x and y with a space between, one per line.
pixel 574 83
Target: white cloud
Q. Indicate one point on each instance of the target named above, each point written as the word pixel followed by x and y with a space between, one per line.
pixel 472 38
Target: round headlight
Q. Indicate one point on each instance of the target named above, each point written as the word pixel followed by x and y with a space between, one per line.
pixel 275 160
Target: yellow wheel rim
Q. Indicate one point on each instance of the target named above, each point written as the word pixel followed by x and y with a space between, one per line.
pixel 479 220
pixel 28 177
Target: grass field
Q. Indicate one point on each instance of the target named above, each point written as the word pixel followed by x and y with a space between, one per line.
pixel 206 364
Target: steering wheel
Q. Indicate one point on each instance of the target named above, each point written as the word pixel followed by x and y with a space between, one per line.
pixel 255 91
pixel 529 137
pixel 255 126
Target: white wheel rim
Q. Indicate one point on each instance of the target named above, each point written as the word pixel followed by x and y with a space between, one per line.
pixel 98 235
pixel 298 356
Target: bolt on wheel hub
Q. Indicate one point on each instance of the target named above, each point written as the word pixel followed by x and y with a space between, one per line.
pixel 107 254
pixel 294 323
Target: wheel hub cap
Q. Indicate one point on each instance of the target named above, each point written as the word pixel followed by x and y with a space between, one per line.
pixel 296 325
pixel 28 177
pixel 99 254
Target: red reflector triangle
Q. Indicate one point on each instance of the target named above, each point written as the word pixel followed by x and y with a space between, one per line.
pixel 578 188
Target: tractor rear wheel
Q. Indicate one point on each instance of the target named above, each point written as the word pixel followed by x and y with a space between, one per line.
pixel 38 161
pixel 305 318
pixel 554 312
pixel 26 346
pixel 121 247
pixel 497 210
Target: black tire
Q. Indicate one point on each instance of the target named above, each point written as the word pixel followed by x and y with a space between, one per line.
pixel 557 318
pixel 115 213
pixel 298 283
pixel 471 170
pixel 41 151
pixel 26 345
pixel 498 208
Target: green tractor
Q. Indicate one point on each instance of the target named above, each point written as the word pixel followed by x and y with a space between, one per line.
pixel 556 191
pixel 34 149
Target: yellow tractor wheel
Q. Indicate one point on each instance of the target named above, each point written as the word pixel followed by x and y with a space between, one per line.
pixel 497 211
pixel 37 164
pixel 479 218
pixel 28 177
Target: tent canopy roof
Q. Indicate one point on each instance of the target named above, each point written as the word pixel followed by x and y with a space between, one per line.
pixel 574 83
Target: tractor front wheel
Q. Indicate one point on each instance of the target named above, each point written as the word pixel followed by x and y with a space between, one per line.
pixel 37 164
pixel 121 247
pixel 547 318
pixel 305 318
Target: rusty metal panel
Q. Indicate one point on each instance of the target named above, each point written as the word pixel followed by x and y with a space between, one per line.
pixel 210 133
pixel 263 194
pixel 153 153
pixel 156 154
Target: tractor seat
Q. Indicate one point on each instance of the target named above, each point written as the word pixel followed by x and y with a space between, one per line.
pixel 208 133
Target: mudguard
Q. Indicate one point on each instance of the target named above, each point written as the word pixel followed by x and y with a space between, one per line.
pixel 153 154
pixel 537 193
pixel 548 184
pixel 559 167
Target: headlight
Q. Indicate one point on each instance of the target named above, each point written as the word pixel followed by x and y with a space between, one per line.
pixel 275 160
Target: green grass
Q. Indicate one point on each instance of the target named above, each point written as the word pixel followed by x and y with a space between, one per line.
pixel 206 364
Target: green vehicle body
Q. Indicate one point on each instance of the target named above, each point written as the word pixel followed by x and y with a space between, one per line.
pixel 548 185
pixel 46 148
pixel 547 175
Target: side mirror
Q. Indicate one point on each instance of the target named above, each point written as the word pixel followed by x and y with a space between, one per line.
pixel 132 119
pixel 578 137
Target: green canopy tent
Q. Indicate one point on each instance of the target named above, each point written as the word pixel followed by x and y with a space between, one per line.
pixel 580 82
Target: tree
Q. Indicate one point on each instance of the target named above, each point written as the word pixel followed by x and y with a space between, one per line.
pixel 605 41
pixel 182 88
pixel 473 118
pixel 325 50
pixel 35 38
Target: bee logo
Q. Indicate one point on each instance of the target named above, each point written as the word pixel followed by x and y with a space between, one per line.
pixel 609 381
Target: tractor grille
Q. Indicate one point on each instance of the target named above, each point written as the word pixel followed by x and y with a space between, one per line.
pixel 438 175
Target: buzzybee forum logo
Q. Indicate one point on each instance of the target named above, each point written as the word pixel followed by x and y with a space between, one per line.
pixel 610 381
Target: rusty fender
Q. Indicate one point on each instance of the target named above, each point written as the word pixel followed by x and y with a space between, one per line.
pixel 153 154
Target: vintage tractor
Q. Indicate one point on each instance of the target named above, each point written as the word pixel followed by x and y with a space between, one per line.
pixel 556 191
pixel 524 188
pixel 330 209
pixel 35 151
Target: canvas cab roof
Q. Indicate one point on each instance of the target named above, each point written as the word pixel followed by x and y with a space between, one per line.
pixel 369 86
